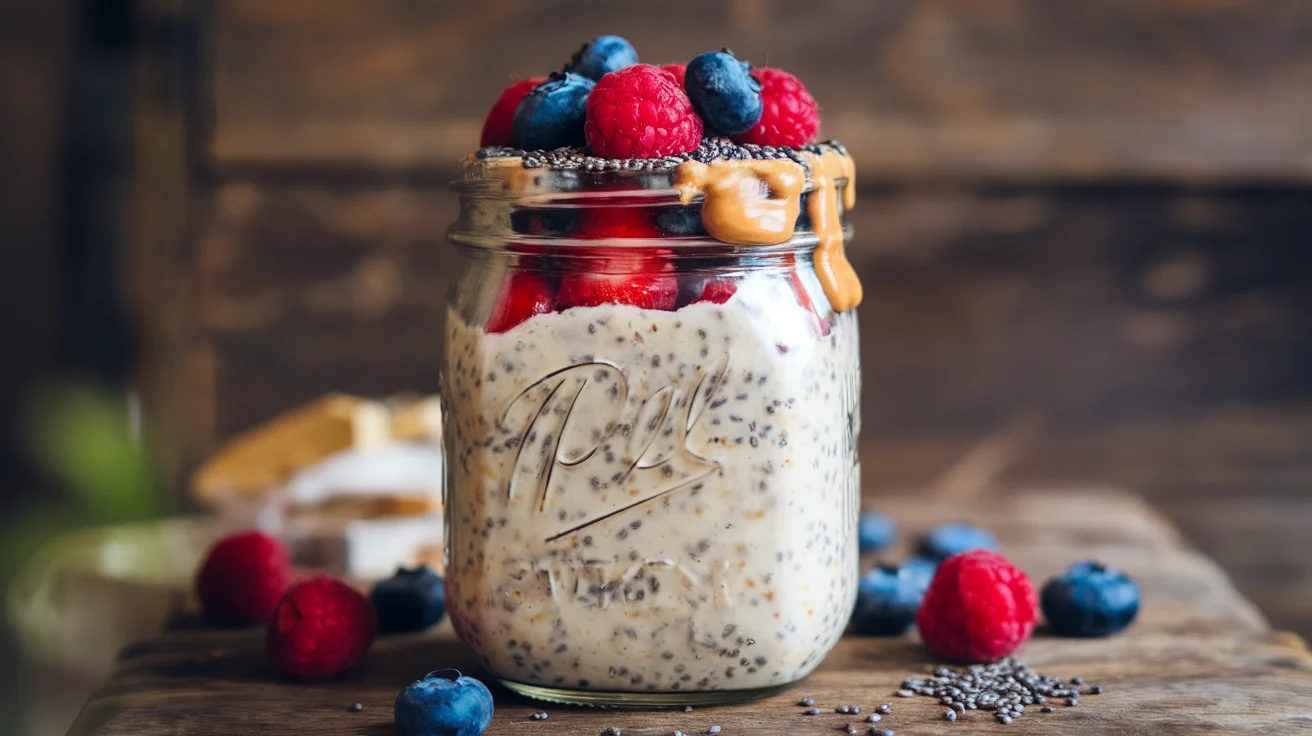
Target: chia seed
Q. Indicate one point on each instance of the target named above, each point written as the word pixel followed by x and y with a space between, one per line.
pixel 811 712
pixel 884 708
pixel 713 729
pixel 806 702
pixel 1005 688
pixel 355 708
pixel 539 716
pixel 949 715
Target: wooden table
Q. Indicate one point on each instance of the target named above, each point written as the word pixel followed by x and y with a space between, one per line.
pixel 1199 660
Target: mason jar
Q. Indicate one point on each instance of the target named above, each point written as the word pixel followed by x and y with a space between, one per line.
pixel 652 483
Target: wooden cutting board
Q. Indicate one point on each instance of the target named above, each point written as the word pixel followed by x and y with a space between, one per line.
pixel 1199 660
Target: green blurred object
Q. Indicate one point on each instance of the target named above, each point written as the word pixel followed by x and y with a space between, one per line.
pixel 82 438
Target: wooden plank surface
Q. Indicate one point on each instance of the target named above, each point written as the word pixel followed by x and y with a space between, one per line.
pixel 1199 660
pixel 1007 89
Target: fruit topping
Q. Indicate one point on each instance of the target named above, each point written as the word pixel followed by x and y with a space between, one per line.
pixel 789 116
pixel 678 70
pixel 640 112
pixel 410 600
pixel 523 295
pixel 1090 599
pixel 723 92
pixel 601 56
pixel 552 114
pixel 978 608
pixel 499 128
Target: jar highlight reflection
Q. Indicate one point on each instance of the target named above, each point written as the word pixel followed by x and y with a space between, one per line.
pixel 652 482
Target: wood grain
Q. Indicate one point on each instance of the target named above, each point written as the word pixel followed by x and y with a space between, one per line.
pixel 1199 660
pixel 1007 89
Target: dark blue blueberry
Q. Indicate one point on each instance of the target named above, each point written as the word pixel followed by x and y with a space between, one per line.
pixel 887 598
pixel 410 600
pixel 444 703
pixel 552 115
pixel 1090 599
pixel 946 540
pixel 875 531
pixel 724 92
pixel 680 221
pixel 601 56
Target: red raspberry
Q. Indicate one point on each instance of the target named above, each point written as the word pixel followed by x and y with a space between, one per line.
pixel 242 578
pixel 978 608
pixel 321 627
pixel 640 112
pixel 678 70
pixel 498 129
pixel 790 117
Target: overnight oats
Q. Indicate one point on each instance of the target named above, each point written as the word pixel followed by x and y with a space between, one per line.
pixel 651 389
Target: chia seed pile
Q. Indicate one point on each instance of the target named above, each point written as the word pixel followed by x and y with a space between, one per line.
pixel 1005 688
pixel 711 149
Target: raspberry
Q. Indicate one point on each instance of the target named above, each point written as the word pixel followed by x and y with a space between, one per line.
pixel 640 112
pixel 678 70
pixel 978 608
pixel 790 117
pixel 499 129
pixel 242 578
pixel 321 628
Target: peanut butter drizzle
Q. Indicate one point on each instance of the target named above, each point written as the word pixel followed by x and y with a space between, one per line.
pixel 836 274
pixel 757 202
pixel 747 202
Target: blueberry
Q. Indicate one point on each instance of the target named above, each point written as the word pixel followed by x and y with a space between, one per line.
pixel 444 703
pixel 601 56
pixel 920 568
pixel 724 92
pixel 410 600
pixel 875 531
pixel 1090 599
pixel 946 540
pixel 887 598
pixel 543 221
pixel 680 221
pixel 552 115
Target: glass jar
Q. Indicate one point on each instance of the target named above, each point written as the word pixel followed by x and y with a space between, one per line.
pixel 652 486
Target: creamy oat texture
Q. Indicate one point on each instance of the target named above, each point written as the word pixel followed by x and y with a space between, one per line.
pixel 654 501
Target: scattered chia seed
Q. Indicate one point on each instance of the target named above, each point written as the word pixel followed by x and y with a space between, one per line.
pixel 1095 690
pixel 355 708
pixel 874 718
pixel 687 709
pixel 806 702
pixel 884 708
pixel 611 731
pixel 811 712
pixel 539 716
pixel 949 715
pixel 1077 680
pixel 1005 688
pixel 713 729
pixel 904 693
pixel 880 731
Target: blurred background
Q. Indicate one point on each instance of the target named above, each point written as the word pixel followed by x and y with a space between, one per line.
pixel 1085 233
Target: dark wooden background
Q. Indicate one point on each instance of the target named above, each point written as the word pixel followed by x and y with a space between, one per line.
pixel 1091 220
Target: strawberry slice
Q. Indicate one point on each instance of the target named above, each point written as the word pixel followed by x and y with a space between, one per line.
pixel 717 291
pixel 524 295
